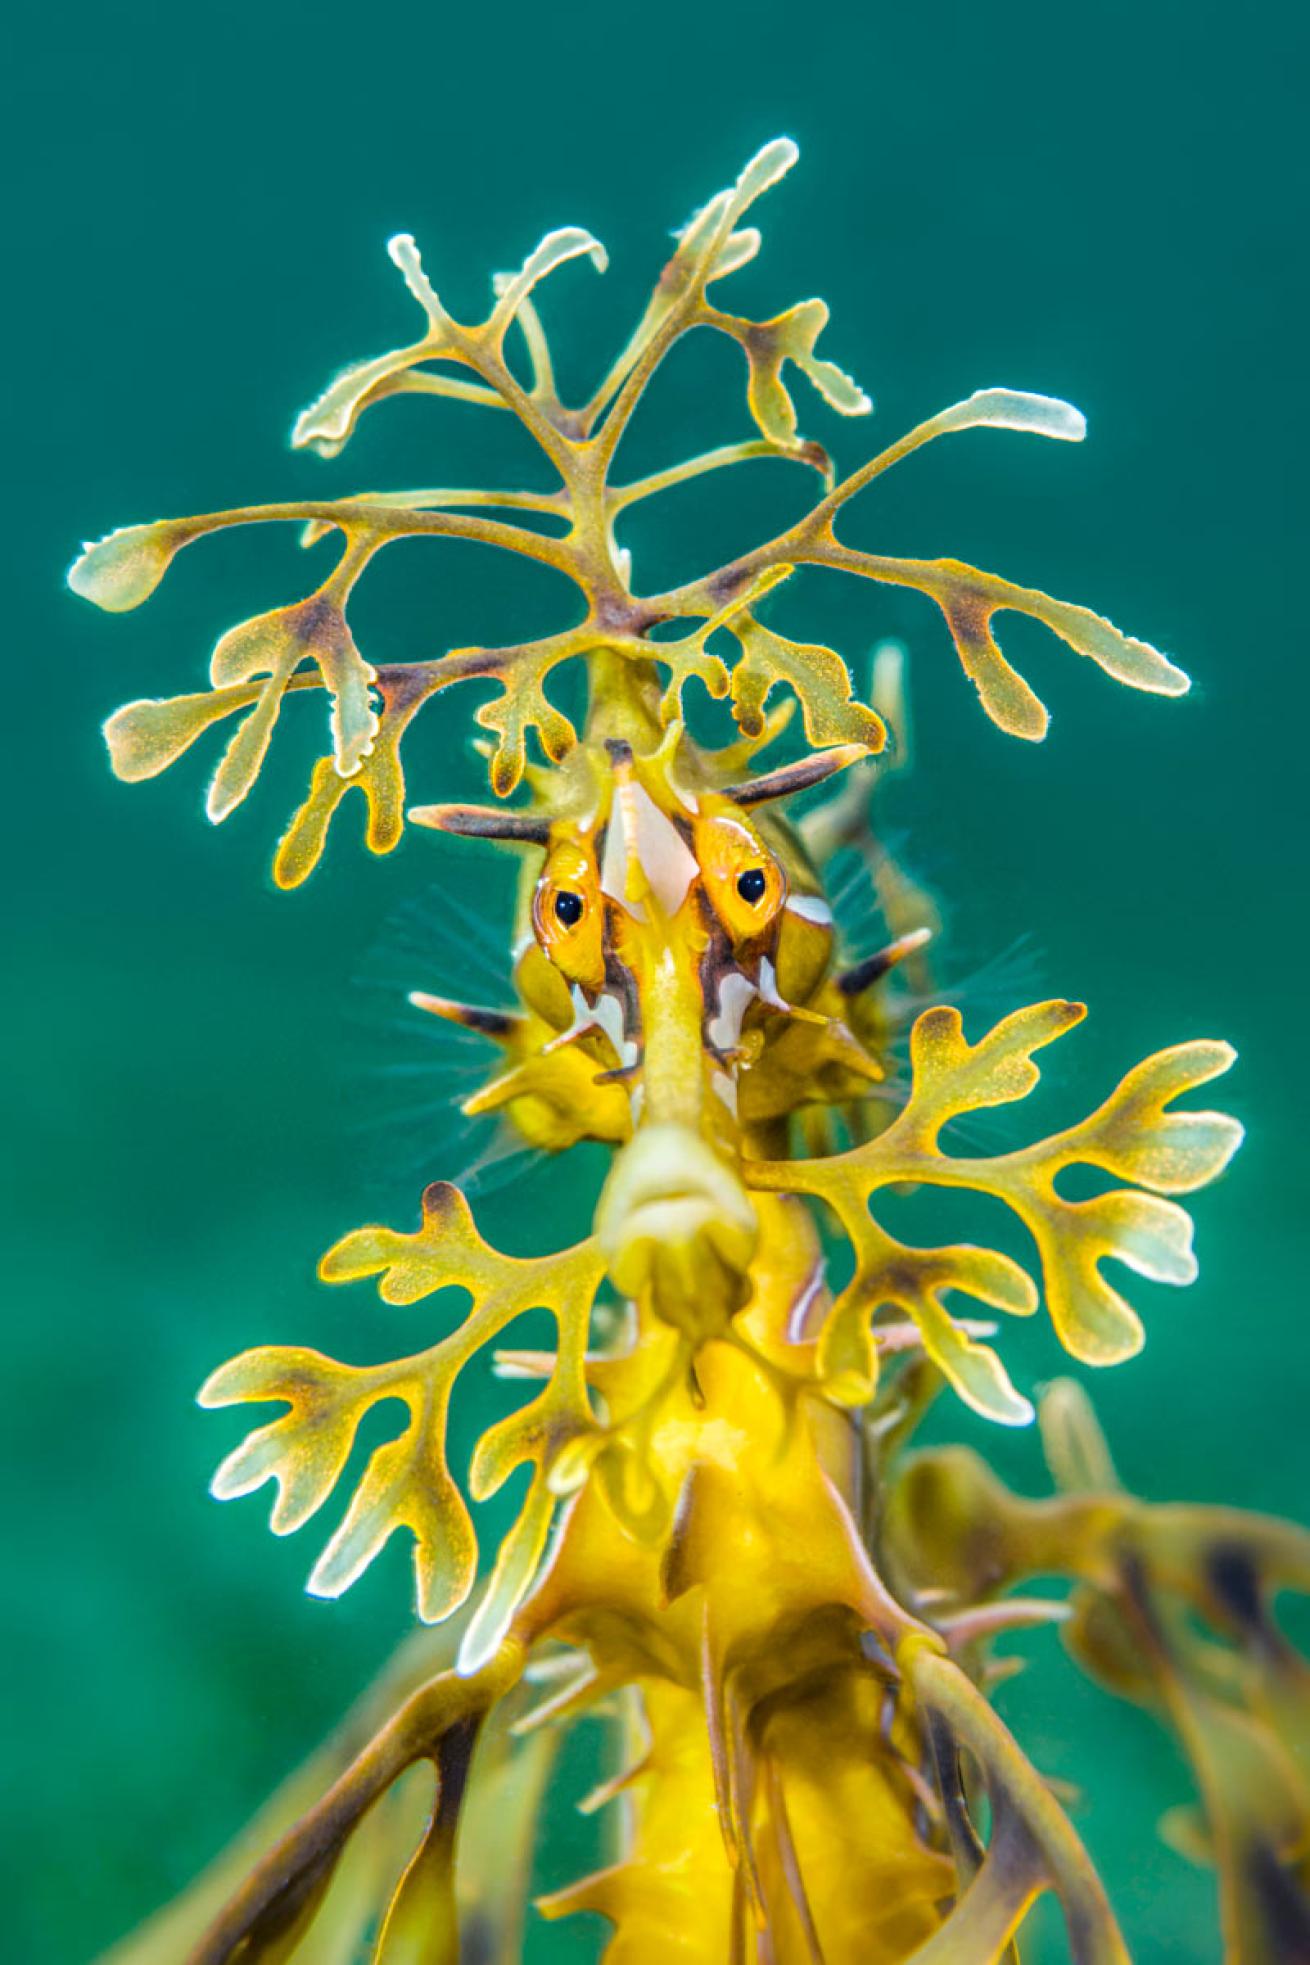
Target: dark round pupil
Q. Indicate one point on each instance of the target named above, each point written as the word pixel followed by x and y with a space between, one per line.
pixel 568 909
pixel 751 884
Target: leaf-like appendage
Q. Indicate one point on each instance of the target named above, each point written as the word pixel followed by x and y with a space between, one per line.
pixel 1006 409
pixel 144 738
pixel 517 1562
pixel 952 1076
pixel 308 644
pixel 685 659
pixel 915 1280
pixel 382 783
pixel 737 251
pixel 969 599
pixel 709 248
pixel 329 422
pixel 818 676
pixel 123 569
pixel 789 337
pixel 523 707
pixel 1173 1608
pixel 712 230
pixel 570 242
pixel 1132 1136
pixel 407 1483
pixel 305 1451
pixel 275 644
pixel 822 682
pixel 380 779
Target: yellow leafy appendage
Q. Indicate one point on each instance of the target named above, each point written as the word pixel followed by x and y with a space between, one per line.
pixel 407 1483
pixel 1131 1137
pixel 309 645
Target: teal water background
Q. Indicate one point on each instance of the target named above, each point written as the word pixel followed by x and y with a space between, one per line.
pixel 1106 204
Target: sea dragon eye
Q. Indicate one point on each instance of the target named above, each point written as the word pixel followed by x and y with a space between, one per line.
pixel 745 884
pixel 567 913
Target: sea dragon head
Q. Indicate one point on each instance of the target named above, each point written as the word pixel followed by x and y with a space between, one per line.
pixel 677 953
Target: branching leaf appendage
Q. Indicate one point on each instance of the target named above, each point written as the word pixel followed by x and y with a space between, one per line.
pixel 1173 1609
pixel 571 527
pixel 1132 1137
pixel 407 1483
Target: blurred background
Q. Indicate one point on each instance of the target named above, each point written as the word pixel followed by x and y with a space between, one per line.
pixel 208 1082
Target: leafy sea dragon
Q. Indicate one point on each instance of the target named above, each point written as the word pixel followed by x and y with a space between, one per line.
pixel 715 1547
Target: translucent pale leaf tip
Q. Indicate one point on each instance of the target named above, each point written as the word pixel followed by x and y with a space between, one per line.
pixel 569 242
pixel 768 164
pixel 123 569
pixel 1021 409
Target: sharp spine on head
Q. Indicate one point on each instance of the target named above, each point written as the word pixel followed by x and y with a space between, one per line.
pixel 852 982
pixel 500 1024
pixel 520 828
pixel 789 778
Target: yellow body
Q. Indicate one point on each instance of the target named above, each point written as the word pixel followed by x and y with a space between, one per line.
pixel 746 1573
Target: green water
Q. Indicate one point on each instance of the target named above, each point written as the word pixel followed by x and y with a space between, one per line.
pixel 1105 204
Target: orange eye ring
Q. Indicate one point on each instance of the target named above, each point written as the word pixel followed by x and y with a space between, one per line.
pixel 745 883
pixel 568 914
